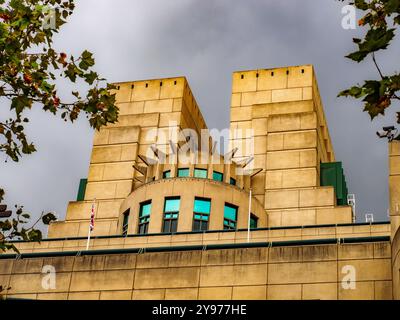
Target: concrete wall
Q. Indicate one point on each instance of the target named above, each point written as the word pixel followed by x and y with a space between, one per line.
pixel 291 138
pixel 184 239
pixel 148 110
pixel 394 193
pixel 298 272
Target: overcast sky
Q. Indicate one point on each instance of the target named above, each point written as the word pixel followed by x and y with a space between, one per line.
pixel 206 41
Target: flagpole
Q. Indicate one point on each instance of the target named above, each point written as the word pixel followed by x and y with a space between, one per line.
pixel 249 218
pixel 88 239
pixel 90 224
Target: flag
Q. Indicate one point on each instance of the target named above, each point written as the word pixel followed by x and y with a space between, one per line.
pixel 92 218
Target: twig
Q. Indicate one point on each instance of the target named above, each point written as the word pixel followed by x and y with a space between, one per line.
pixel 376 65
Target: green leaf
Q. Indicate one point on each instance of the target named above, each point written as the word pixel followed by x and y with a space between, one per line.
pixel 91 77
pixel 20 103
pixel 87 60
pixel 28 148
pixel 376 39
pixel 35 235
pixel 49 217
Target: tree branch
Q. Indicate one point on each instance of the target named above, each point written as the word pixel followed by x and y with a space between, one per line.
pixel 376 65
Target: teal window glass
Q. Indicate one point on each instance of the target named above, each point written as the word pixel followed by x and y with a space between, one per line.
pixel 253 222
pixel 218 176
pixel 144 217
pixel 171 213
pixel 230 216
pixel 125 222
pixel 232 181
pixel 183 172
pixel 166 174
pixel 202 205
pixel 201 213
pixel 172 205
pixel 200 173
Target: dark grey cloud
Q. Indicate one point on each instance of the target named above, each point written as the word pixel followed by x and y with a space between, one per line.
pixel 206 41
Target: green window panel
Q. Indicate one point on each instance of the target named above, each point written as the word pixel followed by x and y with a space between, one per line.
pixel 218 176
pixel 166 174
pixel 332 174
pixel 200 173
pixel 172 205
pixel 171 216
pixel 201 217
pixel 202 205
pixel 183 172
pixel 232 181
pixel 145 209
pixel 230 212
pixel 230 216
pixel 144 217
pixel 201 208
pixel 253 222
pixel 81 190
pixel 171 213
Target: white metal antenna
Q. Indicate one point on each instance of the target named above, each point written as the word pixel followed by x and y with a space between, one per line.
pixel 369 217
pixel 351 201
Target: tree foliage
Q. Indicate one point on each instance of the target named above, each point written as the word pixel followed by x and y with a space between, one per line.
pixel 30 71
pixel 380 18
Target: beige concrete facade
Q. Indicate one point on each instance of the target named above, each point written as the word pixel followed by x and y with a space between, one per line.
pixel 394 191
pixel 298 272
pixel 303 244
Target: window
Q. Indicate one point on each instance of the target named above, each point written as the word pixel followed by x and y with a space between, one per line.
pixel 171 212
pixel 230 216
pixel 253 221
pixel 183 172
pixel 200 173
pixel 125 223
pixel 232 181
pixel 144 217
pixel 166 174
pixel 218 176
pixel 201 214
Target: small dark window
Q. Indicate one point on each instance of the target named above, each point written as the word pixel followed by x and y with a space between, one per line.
pixel 171 213
pixel 287 71
pixel 218 176
pixel 132 86
pixel 242 76
pixel 161 84
pixel 175 82
pixel 201 214
pixel 125 222
pixel 230 216
pixel 256 75
pixel 253 221
pixel 147 85
pixel 144 217
pixel 302 70
pixel 166 174
pixel 232 181
pixel 272 74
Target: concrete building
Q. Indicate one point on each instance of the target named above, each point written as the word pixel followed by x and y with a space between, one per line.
pixel 174 219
